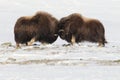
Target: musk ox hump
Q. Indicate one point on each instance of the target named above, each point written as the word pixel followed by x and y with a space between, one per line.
pixel 28 17
pixel 86 19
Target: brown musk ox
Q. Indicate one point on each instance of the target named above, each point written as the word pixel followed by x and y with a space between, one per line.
pixel 76 28
pixel 40 27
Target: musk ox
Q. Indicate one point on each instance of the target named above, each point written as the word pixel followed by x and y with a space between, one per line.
pixel 76 28
pixel 40 27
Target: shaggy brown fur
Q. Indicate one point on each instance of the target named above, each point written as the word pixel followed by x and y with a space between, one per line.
pixel 76 28
pixel 40 27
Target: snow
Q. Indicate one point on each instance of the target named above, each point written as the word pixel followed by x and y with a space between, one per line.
pixel 38 72
pixel 57 62
pixel 82 61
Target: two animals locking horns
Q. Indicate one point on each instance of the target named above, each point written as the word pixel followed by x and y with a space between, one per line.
pixel 45 28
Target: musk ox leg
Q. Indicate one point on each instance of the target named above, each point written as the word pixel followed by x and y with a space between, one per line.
pixel 44 43
pixel 17 46
pixel 73 40
pixel 101 44
pixel 31 42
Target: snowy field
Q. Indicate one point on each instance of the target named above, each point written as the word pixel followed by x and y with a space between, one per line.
pixel 84 61
pixel 56 62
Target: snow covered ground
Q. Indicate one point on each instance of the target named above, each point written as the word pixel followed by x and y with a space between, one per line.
pixel 56 62
pixel 84 61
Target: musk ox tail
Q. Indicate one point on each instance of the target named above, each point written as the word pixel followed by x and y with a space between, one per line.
pixel 101 26
pixel 106 41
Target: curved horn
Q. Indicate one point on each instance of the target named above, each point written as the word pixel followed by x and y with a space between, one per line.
pixel 61 30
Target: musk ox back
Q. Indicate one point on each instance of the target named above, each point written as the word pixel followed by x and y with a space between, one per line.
pixel 76 28
pixel 40 27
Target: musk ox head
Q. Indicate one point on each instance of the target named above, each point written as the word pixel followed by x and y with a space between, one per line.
pixel 63 30
pixel 69 25
pixel 76 28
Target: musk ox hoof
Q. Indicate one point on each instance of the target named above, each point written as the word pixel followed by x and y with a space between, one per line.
pixel 17 47
pixel 101 45
pixel 65 45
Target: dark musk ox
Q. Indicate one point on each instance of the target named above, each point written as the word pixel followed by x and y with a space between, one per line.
pixel 40 27
pixel 76 28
